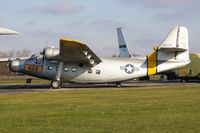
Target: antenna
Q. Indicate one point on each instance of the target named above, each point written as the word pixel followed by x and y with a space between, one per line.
pixel 46 43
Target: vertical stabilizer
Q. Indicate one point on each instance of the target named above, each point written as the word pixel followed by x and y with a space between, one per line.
pixel 123 49
pixel 177 40
pixel 175 46
pixel 172 53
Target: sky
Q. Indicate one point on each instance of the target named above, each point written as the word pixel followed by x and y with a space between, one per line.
pixel 42 23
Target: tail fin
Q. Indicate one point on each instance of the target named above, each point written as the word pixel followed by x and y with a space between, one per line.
pixel 171 54
pixel 175 46
pixel 177 40
pixel 123 49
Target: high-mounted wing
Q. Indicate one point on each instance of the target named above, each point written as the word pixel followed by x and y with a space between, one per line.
pixel 5 59
pixel 74 51
pixel 11 59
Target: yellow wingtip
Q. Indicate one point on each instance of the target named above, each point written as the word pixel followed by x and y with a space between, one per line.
pixel 70 40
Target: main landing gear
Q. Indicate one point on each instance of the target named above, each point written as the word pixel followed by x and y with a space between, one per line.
pixel 55 84
pixel 118 85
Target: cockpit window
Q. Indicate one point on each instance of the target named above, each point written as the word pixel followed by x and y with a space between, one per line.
pixel 33 56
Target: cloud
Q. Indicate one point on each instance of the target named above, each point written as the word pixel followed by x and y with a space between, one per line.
pixel 160 3
pixel 31 23
pixel 58 8
pixel 107 23
pixel 172 15
pixel 168 9
pixel 48 34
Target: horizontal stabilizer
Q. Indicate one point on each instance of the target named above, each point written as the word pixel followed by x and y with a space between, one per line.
pixel 176 41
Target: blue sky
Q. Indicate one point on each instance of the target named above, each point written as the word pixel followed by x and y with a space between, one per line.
pixel 43 22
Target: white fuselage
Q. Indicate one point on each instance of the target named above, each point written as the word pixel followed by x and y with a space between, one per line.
pixel 109 70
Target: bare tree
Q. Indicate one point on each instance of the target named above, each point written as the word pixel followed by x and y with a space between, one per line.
pixel 4 67
pixel 3 54
pixel 22 53
pixel 25 52
pixel 11 53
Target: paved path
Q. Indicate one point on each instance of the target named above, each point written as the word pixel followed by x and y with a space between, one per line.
pixel 46 87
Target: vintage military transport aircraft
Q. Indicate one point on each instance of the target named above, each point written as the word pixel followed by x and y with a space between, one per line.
pixel 76 62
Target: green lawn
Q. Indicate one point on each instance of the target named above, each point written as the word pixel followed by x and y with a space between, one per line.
pixel 124 110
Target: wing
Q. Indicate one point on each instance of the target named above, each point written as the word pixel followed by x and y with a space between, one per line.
pixel 5 60
pixel 4 31
pixel 74 51
pixel 11 59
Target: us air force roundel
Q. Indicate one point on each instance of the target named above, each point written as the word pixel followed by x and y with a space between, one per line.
pixel 129 68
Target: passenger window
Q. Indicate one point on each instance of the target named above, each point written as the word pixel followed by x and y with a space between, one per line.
pixel 74 69
pixel 66 69
pixel 90 71
pixel 50 67
pixel 98 71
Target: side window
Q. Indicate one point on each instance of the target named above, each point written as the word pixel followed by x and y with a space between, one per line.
pixel 98 71
pixel 37 60
pixel 90 71
pixel 74 69
pixel 66 69
pixel 50 67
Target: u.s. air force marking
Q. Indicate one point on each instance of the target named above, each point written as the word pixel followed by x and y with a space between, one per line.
pixel 129 68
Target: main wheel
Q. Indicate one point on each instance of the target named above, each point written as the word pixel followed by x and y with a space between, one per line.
pixel 118 85
pixel 55 84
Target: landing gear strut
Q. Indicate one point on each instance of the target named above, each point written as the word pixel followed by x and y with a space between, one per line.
pixel 118 85
pixel 55 84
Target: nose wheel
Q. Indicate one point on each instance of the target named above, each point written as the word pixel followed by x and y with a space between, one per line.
pixel 55 84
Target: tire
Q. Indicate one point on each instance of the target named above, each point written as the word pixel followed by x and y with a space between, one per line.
pixel 55 84
pixel 118 85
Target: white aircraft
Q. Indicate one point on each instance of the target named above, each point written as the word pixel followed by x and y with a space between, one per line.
pixel 4 31
pixel 123 48
pixel 75 62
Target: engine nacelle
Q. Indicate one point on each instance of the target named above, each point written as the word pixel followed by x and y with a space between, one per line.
pixel 51 53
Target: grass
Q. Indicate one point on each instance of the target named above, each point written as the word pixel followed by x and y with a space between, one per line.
pixel 125 110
